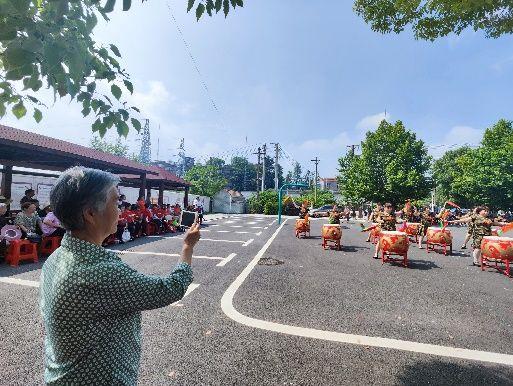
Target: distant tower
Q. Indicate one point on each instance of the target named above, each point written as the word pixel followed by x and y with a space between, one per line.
pixel 145 155
pixel 181 155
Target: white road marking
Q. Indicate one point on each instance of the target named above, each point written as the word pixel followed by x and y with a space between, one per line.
pixel 361 340
pixel 202 239
pixel 169 254
pixel 226 260
pixel 191 288
pixel 12 280
pixel 210 226
pixel 247 242
pixel 256 227
pixel 272 222
pixel 259 233
pixel 229 222
pixel 266 227
pixel 222 231
pixel 251 223
pixel 236 226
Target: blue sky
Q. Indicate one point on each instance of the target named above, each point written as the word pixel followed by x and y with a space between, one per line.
pixel 310 75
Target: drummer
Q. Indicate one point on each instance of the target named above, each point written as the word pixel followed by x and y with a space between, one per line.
pixel 374 216
pixel 470 229
pixel 387 222
pixel 482 227
pixel 427 218
pixel 334 217
pixel 303 211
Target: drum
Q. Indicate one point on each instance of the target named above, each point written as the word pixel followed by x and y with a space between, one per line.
pixel 439 236
pixel 494 247
pixel 412 228
pixel 394 242
pixel 374 234
pixel 302 227
pixel 331 233
pixel 497 249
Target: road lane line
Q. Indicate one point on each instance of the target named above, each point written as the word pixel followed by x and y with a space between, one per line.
pixel 266 227
pixel 226 260
pixel 236 226
pixel 361 340
pixel 222 231
pixel 247 242
pixel 26 283
pixel 272 222
pixel 259 233
pixel 191 288
pixel 169 254
pixel 202 239
pixel 256 227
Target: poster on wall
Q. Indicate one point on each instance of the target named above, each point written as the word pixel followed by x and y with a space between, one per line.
pixel 17 193
pixel 43 193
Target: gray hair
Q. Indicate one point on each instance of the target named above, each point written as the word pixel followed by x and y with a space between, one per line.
pixel 77 189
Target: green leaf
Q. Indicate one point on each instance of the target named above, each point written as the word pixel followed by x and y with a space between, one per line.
pixel 234 3
pixel 210 7
pixel 32 99
pixel 124 114
pixel 116 91
pixel 200 10
pixel 97 125
pixel 190 4
pixel 129 86
pixel 95 104
pixel 127 4
pixel 135 109
pixel 115 50
pixel 226 7
pixel 122 128
pixel 86 111
pixel 38 115
pixel 2 109
pixel 136 124
pixel 240 3
pixel 109 6
pixel 218 5
pixel 91 87
pixel 19 110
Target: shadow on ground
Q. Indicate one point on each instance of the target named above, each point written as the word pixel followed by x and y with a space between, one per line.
pixel 439 372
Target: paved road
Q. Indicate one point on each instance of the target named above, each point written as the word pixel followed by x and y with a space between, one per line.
pixel 224 332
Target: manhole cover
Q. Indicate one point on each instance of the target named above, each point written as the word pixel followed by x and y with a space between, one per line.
pixel 269 261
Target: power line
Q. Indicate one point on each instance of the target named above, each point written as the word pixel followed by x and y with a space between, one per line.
pixel 196 67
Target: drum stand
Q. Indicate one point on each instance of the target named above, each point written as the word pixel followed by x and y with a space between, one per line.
pixel 443 245
pixel 385 258
pixel 488 262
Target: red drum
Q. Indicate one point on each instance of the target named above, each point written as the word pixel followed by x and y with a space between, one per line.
pixel 302 227
pixel 496 250
pixel 374 234
pixel 394 243
pixel 439 236
pixel 412 228
pixel 331 233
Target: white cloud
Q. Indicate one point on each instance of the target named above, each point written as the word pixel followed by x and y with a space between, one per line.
pixel 371 122
pixel 456 137
pixel 502 64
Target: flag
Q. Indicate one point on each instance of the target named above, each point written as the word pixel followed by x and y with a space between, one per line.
pixel 452 204
pixel 505 228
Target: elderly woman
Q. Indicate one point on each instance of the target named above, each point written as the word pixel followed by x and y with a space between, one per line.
pixel 51 225
pixel 28 221
pixel 91 301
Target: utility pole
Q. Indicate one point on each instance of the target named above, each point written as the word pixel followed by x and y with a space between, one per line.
pixel 259 153
pixel 264 152
pixel 352 147
pixel 276 160
pixel 316 160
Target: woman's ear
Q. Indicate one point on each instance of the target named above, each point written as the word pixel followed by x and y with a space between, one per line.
pixel 89 216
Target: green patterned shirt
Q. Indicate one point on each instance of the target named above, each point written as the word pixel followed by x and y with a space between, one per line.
pixel 91 303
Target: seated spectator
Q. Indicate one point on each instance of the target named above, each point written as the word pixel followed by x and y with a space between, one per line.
pixel 129 217
pixel 3 222
pixel 42 212
pixel 29 197
pixel 177 209
pixel 122 224
pixel 51 225
pixel 121 201
pixel 156 217
pixel 28 221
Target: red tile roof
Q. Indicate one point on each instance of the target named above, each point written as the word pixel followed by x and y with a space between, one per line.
pixel 44 144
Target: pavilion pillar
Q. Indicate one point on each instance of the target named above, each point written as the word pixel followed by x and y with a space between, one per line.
pixel 186 198
pixel 7 182
pixel 161 193
pixel 142 187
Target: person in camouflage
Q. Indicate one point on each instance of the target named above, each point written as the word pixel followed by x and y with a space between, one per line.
pixel 470 230
pixel 481 227
pixel 375 215
pixel 334 217
pixel 387 222
pixel 427 218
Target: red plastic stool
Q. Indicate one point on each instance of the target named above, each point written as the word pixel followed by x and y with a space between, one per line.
pixel 20 250
pixel 152 229
pixel 49 244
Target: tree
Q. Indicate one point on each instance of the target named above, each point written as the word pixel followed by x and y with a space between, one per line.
pixel 431 19
pixel 486 173
pixel 269 173
pixel 116 148
pixel 50 42
pixel 393 167
pixel 218 163
pixel 240 174
pixel 296 172
pixel 447 171
pixel 206 180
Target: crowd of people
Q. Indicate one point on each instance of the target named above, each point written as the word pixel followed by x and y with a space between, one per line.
pixel 143 218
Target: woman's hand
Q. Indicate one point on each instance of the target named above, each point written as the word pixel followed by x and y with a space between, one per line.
pixel 191 238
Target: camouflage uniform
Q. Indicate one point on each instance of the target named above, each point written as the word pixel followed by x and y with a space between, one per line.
pixel 481 227
pixel 388 222
pixel 334 218
pixel 426 220
pixel 375 215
